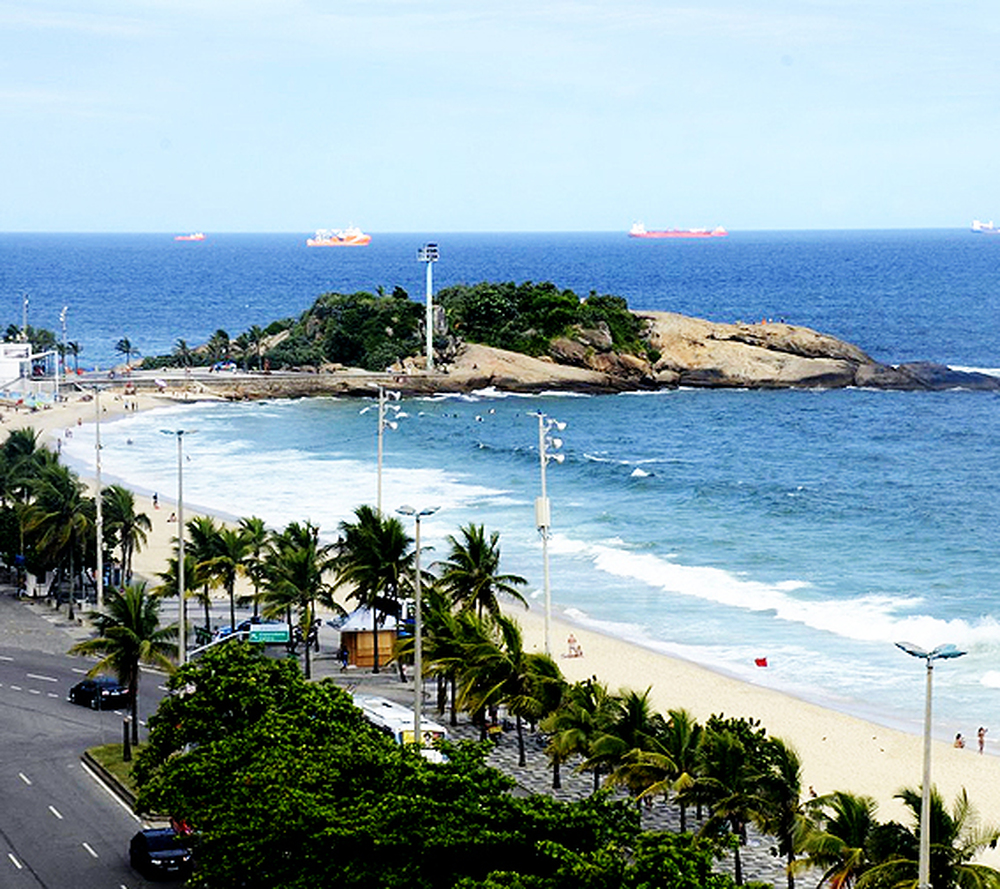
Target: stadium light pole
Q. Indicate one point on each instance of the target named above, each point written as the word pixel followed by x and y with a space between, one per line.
pixel 418 646
pixel 547 445
pixel 182 621
pixel 428 254
pixel 942 652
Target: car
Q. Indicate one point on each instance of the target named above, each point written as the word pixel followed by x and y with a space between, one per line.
pixel 100 693
pixel 160 852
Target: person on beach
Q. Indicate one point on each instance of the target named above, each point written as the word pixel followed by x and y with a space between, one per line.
pixel 981 734
pixel 959 741
pixel 156 501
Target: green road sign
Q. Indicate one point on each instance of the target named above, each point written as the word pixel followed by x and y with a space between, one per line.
pixel 268 634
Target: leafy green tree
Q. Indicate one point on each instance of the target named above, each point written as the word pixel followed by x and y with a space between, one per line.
pixel 472 572
pixel 375 557
pixel 126 528
pixel 130 634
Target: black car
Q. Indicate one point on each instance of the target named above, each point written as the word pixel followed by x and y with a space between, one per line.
pixel 100 693
pixel 160 852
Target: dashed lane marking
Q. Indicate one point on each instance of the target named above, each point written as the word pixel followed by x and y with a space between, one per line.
pixel 14 861
pixel 24 778
pixel 88 847
pixel 56 812
pixel 42 678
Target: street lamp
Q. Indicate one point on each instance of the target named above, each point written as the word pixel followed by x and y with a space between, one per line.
pixel 384 424
pixel 543 509
pixel 181 590
pixel 62 320
pixel 942 652
pixel 418 646
pixel 429 254
pixel 100 513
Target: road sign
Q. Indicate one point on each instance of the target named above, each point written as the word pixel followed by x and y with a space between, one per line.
pixel 269 634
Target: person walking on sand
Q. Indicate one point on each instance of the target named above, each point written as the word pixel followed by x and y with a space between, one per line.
pixel 981 734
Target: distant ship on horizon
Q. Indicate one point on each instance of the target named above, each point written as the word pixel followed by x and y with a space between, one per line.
pixel 985 228
pixel 339 237
pixel 638 230
pixel 194 236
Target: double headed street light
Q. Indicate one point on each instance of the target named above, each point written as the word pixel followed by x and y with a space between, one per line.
pixel 429 254
pixel 383 424
pixel 99 499
pixel 181 589
pixel 418 647
pixel 942 652
pixel 547 446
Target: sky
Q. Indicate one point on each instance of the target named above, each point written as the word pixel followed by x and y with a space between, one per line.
pixel 497 115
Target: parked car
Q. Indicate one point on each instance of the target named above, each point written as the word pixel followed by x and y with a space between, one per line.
pixel 160 852
pixel 100 693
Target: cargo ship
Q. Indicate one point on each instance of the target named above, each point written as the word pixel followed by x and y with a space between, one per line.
pixel 194 236
pixel 339 237
pixel 985 228
pixel 638 230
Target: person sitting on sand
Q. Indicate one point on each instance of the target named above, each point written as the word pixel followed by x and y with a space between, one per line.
pixel 575 649
pixel 959 741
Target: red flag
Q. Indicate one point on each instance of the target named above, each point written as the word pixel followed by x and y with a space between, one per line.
pixel 760 661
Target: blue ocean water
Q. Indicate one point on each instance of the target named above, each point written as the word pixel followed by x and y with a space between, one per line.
pixel 815 528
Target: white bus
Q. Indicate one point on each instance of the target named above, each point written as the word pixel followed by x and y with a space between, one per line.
pixel 396 720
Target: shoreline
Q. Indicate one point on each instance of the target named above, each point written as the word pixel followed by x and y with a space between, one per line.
pixel 839 751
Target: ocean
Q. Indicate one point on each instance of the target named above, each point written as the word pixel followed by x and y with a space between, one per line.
pixel 811 528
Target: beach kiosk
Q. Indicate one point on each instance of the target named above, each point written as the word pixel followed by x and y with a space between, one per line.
pixel 358 638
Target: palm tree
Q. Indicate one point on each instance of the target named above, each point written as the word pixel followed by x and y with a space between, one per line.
pixel 124 346
pixel 586 711
pixel 956 839
pixel 498 671
pixel 471 575
pixel 294 577
pixel 126 527
pixel 780 812
pixel 375 558
pixel 228 549
pixel 257 336
pixel 59 519
pixel 74 349
pixel 218 345
pixel 257 535
pixel 202 531
pixel 130 634
pixel 837 842
pixel 192 580
pixel 183 352
pixel 442 645
pixel 681 738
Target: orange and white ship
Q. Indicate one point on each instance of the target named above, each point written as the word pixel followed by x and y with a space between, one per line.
pixel 194 236
pixel 339 237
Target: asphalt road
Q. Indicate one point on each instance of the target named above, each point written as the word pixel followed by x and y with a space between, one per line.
pixel 60 828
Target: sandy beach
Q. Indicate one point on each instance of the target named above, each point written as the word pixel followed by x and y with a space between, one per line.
pixel 838 751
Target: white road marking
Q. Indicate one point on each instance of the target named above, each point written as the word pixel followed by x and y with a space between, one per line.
pixel 56 812
pixel 90 850
pixel 16 688
pixel 5 658
pixel 79 670
pixel 14 861
pixel 43 678
pixel 33 691
pixel 111 793
pixel 51 694
pixel 24 778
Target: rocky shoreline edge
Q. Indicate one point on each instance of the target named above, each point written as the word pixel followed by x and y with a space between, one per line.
pixel 689 352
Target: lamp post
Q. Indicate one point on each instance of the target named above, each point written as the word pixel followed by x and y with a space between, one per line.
pixel 181 590
pixel 100 512
pixel 62 320
pixel 942 652
pixel 418 646
pixel 543 510
pixel 429 254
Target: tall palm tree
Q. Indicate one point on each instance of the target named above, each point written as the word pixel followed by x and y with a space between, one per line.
pixel 442 645
pixel 471 572
pixel 74 349
pixel 780 812
pixel 295 577
pixel 228 549
pixel 257 336
pixel 183 352
pixel 499 672
pixel 836 844
pixel 257 536
pixel 59 519
pixel 200 545
pixel 126 527
pixel 375 559
pixel 192 581
pixel 130 634
pixel 681 738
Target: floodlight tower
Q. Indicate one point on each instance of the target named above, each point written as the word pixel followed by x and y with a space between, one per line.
pixel 429 254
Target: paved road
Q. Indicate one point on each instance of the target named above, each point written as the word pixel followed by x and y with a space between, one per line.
pixel 59 827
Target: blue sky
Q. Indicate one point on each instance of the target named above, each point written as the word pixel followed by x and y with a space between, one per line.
pixel 452 115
